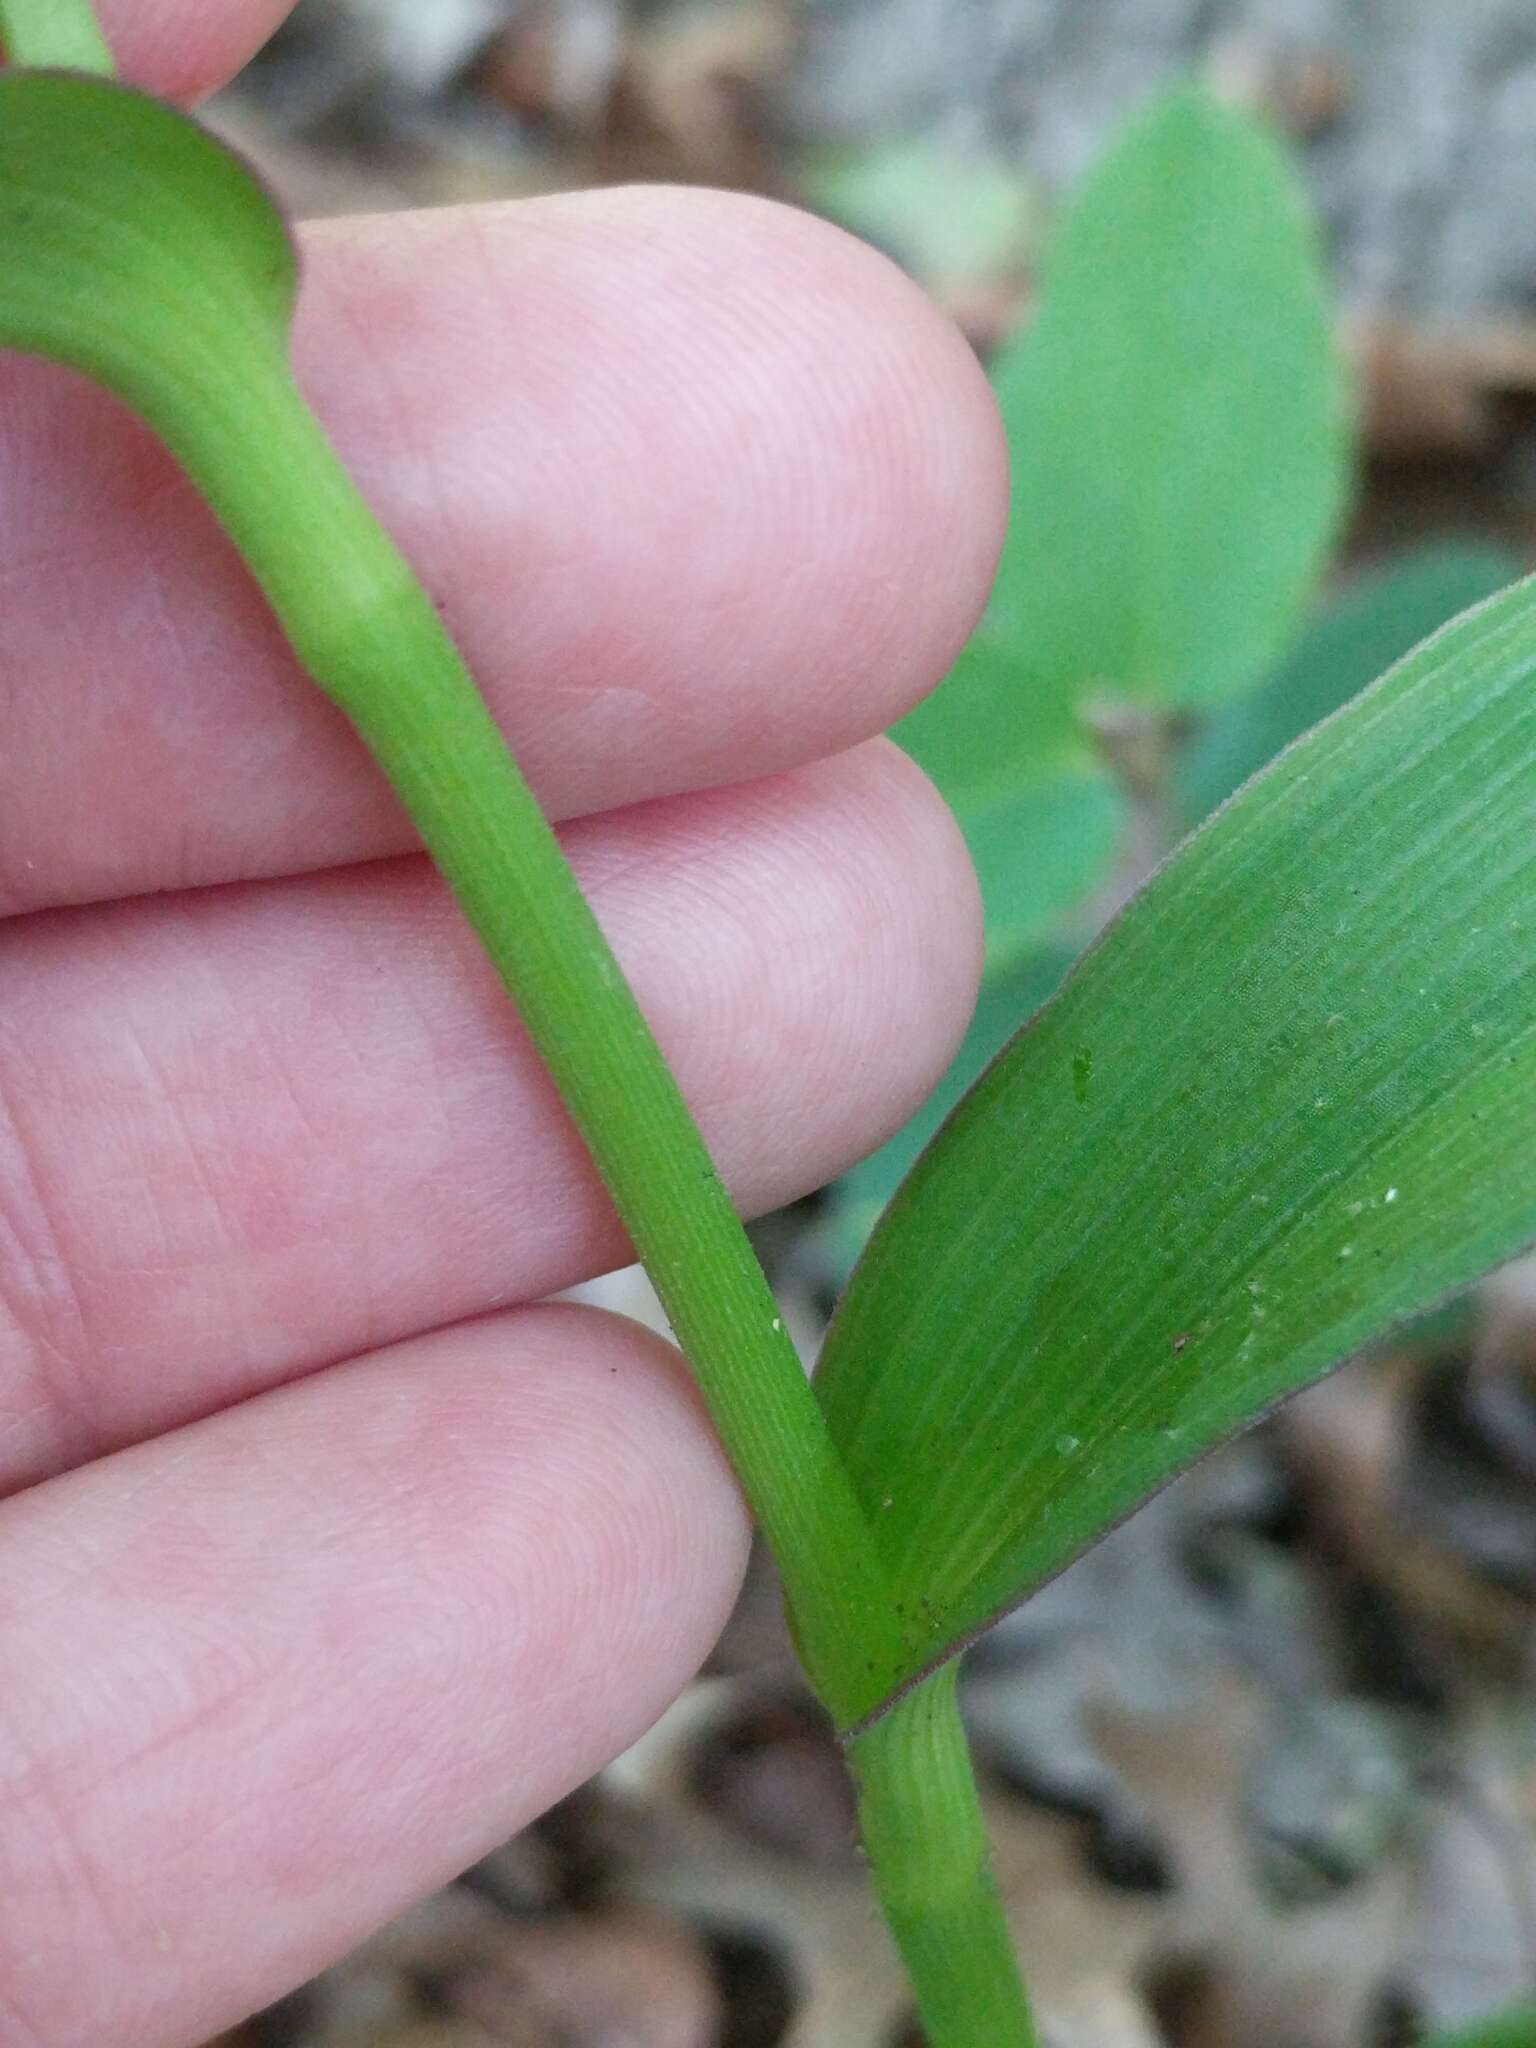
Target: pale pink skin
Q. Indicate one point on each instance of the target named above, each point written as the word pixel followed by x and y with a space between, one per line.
pixel 325 1564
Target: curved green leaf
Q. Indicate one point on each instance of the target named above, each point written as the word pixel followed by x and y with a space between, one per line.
pixel 1177 422
pixel 1288 1100
pixel 169 280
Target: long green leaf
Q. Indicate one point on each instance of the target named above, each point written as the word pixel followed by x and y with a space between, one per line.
pixel 1288 1100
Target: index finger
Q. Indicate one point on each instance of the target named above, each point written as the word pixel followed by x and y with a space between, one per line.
pixel 704 489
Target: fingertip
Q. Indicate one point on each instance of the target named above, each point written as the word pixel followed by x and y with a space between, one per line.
pixel 891 464
pixel 895 413
pixel 925 462
pixel 921 995
pixel 185 52
pixel 751 480
pixel 274 1676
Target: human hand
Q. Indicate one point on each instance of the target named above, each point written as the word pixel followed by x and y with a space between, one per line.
pixel 330 1559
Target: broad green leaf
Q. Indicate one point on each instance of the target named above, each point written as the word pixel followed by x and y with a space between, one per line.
pixel 137 248
pixel 1288 1100
pixel 1177 423
pixel 1359 635
pixel 1041 815
pixel 951 216
pixel 856 1202
pixel 1037 855
pixel 989 730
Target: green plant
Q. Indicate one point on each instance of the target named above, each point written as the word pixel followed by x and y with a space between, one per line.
pixel 1285 1102
pixel 1176 418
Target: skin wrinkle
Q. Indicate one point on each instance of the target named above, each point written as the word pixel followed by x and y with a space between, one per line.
pixel 70 1869
pixel 49 1372
pixel 740 913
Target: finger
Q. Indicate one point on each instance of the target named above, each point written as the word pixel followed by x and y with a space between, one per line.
pixel 703 488
pixel 184 49
pixel 247 1132
pixel 272 1677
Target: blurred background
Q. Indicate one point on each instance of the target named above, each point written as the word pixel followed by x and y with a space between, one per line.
pixel 1262 1767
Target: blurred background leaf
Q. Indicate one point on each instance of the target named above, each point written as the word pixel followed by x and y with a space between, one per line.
pixel 1176 416
pixel 955 218
pixel 1352 640
pixel 1038 853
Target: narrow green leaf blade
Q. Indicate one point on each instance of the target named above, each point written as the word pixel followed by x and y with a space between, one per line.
pixel 1288 1100
pixel 1177 422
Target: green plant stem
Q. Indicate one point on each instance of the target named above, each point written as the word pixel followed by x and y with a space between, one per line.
pixel 57 33
pixel 366 632
pixel 363 628
pixel 922 1826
